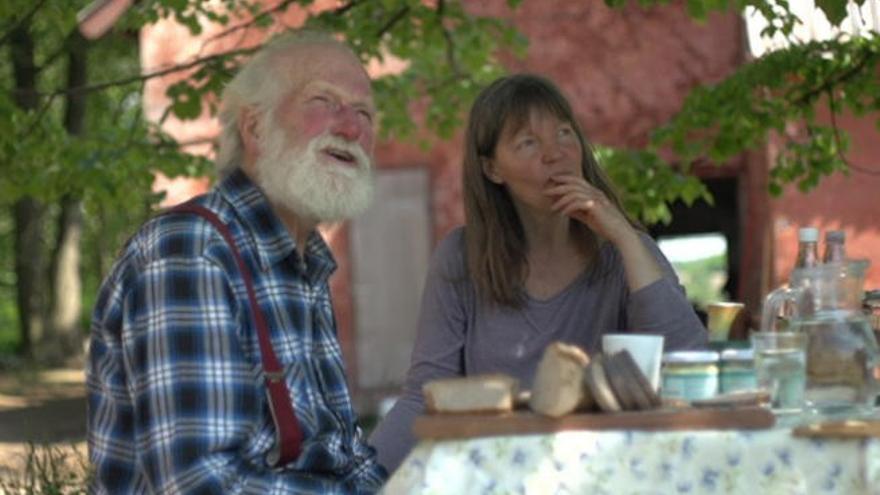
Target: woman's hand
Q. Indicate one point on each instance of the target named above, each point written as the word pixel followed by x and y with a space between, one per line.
pixel 578 199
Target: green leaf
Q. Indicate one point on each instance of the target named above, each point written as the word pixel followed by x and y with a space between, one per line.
pixel 648 185
pixel 834 10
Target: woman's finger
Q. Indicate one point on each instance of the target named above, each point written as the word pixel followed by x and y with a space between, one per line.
pixel 557 186
pixel 563 201
pixel 577 208
pixel 569 193
pixel 573 179
pixel 572 204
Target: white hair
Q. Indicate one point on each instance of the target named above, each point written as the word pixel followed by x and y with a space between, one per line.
pixel 259 84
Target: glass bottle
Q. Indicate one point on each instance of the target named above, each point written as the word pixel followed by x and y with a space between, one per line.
pixel 807 257
pixel 808 248
pixel 835 252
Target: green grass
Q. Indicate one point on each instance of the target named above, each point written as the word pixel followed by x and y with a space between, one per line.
pixel 704 279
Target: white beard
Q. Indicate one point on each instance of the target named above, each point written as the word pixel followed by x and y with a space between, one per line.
pixel 303 182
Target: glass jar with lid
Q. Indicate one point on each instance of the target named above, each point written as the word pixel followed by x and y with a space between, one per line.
pixel 690 375
pixel 737 370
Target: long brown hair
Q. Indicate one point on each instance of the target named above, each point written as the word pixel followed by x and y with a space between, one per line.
pixel 495 242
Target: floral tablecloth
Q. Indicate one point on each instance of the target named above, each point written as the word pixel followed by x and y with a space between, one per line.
pixel 624 462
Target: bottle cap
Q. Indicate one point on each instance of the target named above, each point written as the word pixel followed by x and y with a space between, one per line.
pixel 808 234
pixel 835 236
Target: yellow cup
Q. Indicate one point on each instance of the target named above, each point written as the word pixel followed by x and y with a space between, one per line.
pixel 721 316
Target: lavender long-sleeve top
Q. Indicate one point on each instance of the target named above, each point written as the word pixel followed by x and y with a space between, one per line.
pixel 459 336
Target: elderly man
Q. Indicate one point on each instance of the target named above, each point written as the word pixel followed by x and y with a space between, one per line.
pixel 214 364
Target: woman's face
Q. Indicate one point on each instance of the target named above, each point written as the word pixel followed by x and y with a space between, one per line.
pixel 527 158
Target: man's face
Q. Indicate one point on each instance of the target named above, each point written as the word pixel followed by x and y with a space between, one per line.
pixel 316 146
pixel 332 96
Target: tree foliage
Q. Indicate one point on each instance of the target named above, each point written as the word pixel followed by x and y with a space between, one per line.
pixel 118 154
pixel 779 94
pixel 448 55
pixel 648 185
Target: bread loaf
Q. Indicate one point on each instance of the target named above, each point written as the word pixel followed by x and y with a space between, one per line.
pixel 559 388
pixel 473 394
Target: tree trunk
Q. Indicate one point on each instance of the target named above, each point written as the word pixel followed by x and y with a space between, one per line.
pixel 27 211
pixel 64 336
pixel 29 271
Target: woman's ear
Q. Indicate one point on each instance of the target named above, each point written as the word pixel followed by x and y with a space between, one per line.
pixel 489 171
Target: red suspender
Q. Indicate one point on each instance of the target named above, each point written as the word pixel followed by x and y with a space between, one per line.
pixel 288 441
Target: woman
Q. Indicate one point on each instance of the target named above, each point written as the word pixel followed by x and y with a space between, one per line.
pixel 547 254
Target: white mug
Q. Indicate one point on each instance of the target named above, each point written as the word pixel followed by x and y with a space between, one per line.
pixel 646 350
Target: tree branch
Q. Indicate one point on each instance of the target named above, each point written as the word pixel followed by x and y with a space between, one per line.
pixel 62 49
pixel 400 14
pixel 345 8
pixel 159 73
pixel 255 19
pixel 281 6
pixel 811 95
pixel 450 44
pixel 863 170
pixel 838 141
pixel 40 113
pixel 449 80
pixel 206 59
pixel 51 58
pixel 22 21
pixel 141 78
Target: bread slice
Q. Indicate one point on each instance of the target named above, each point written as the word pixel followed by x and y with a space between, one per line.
pixel 599 387
pixel 640 387
pixel 559 388
pixel 620 381
pixel 491 393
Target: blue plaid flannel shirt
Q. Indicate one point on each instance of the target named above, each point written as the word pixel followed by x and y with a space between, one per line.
pixel 176 396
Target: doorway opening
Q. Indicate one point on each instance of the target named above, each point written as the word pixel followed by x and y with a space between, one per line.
pixel 703 243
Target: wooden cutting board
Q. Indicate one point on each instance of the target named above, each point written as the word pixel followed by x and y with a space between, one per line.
pixel 460 426
pixel 840 429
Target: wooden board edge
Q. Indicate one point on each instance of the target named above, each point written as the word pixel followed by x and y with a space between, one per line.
pixel 443 427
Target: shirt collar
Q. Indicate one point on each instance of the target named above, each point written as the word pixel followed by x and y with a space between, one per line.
pixel 274 243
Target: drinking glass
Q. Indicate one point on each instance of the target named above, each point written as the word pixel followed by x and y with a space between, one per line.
pixel 781 368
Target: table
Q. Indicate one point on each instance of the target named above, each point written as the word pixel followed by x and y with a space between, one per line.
pixel 638 462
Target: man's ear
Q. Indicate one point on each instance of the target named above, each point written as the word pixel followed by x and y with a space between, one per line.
pixel 249 128
pixel 489 171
